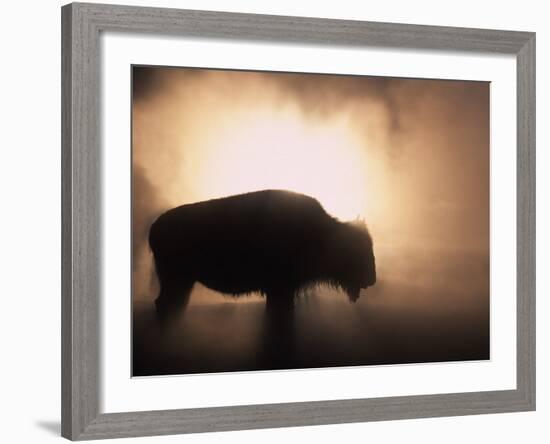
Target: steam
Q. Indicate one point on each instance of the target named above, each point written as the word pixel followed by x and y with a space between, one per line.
pixel 420 147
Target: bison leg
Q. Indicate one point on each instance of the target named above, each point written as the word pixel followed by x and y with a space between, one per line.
pixel 279 328
pixel 175 289
pixel 172 299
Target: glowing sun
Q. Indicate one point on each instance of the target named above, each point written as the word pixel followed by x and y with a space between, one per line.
pixel 280 150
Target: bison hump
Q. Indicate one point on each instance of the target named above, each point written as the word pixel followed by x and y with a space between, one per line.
pixel 275 214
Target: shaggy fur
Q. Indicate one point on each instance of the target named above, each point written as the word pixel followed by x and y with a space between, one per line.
pixel 274 242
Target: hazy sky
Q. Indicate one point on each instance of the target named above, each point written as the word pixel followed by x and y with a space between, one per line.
pixel 410 156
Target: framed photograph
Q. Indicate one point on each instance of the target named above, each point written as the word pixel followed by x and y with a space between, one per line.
pixel 276 221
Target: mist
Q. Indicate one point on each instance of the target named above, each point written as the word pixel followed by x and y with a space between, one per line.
pixel 409 156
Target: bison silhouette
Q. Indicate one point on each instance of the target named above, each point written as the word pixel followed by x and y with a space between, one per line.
pixel 274 242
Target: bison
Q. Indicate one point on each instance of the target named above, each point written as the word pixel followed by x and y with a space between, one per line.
pixel 274 242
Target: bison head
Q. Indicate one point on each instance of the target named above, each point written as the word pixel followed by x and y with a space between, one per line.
pixel 352 258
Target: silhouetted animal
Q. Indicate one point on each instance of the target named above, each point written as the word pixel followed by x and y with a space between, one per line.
pixel 274 242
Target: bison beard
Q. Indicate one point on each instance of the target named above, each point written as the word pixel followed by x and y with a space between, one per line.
pixel 273 242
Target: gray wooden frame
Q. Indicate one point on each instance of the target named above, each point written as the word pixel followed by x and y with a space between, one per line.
pixel 81 173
